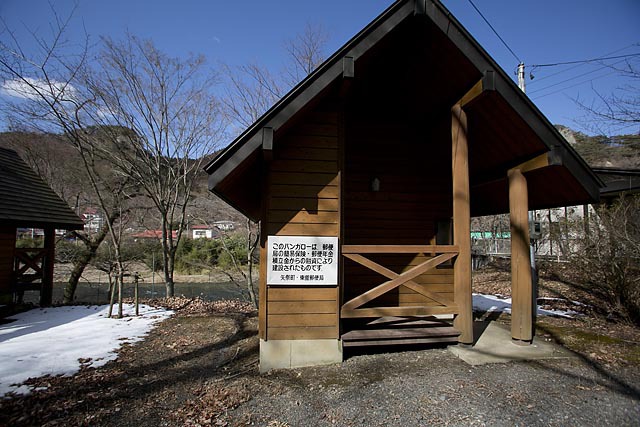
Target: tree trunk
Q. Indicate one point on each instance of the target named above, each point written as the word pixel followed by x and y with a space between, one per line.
pixel 80 264
pixel 170 258
pixel 78 268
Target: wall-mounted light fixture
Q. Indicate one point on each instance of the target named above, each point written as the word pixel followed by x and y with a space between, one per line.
pixel 375 184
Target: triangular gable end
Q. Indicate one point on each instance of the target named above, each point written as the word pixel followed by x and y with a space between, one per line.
pixel 501 109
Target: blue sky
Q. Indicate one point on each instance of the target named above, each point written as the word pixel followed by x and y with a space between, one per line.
pixel 237 32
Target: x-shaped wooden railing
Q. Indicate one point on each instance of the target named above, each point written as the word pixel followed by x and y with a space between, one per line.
pixel 352 308
pixel 25 259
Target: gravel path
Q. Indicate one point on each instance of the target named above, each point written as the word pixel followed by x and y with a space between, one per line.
pixel 420 388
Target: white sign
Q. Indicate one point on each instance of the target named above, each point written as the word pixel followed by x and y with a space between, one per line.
pixel 302 260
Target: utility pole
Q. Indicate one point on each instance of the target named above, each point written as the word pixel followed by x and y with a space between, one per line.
pixel 521 81
pixel 532 228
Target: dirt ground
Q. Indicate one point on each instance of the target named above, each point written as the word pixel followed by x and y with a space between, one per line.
pixel 200 368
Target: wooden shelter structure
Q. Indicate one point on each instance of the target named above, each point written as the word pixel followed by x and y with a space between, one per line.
pixel 382 155
pixel 26 201
pixel 617 182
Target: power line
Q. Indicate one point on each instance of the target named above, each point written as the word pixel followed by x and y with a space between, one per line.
pixel 584 61
pixel 495 32
pixel 574 77
pixel 538 80
pixel 573 85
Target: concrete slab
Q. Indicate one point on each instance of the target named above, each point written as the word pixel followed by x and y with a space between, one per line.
pixel 278 354
pixel 494 345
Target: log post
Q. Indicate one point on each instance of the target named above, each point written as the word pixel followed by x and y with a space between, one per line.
pixel 461 225
pixel 521 285
pixel 46 291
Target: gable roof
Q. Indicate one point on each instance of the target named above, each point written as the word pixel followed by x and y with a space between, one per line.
pixel 509 128
pixel 27 201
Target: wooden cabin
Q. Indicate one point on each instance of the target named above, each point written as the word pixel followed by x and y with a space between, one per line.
pixel 383 155
pixel 26 201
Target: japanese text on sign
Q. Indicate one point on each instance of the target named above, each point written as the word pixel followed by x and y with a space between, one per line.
pixel 302 260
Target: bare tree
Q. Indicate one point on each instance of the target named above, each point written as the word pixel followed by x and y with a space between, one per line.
pixel 47 94
pixel 173 120
pixel 607 257
pixel 619 111
pixel 306 52
pixel 252 89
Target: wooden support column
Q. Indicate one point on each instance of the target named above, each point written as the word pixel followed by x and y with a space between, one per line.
pixel 521 285
pixel 46 291
pixel 7 246
pixel 461 225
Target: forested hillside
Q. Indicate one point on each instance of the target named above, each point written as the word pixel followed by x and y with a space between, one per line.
pixel 620 151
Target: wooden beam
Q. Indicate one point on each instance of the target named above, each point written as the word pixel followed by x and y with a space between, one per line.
pixel 399 249
pixel 542 161
pixel 461 225
pixel 348 67
pixel 487 83
pixel 475 91
pixel 263 290
pixel 397 311
pixel 46 291
pixel 521 287
pixel 267 143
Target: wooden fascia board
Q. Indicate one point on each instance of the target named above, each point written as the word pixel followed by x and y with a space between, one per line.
pixel 225 167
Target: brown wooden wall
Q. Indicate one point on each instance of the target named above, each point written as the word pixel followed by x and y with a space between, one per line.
pixel 413 165
pixel 303 188
pixel 7 245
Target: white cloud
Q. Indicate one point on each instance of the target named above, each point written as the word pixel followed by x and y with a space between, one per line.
pixel 34 89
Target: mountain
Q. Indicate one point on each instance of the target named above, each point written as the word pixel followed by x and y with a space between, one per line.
pixel 620 151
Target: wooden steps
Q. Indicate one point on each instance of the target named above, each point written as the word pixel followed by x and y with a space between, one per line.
pixel 388 331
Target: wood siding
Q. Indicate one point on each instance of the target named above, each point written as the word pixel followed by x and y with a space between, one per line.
pixel 303 188
pixel 414 174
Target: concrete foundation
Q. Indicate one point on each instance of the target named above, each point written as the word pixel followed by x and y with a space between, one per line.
pixel 277 354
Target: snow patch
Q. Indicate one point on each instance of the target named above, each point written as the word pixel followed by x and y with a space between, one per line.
pixel 59 340
pixel 497 303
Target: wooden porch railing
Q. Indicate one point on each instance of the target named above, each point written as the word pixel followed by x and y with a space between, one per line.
pixel 440 253
pixel 28 268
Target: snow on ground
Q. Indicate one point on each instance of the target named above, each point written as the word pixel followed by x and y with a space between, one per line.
pixel 495 303
pixel 50 341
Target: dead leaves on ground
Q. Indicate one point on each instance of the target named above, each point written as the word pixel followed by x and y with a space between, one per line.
pixel 211 405
pixel 198 306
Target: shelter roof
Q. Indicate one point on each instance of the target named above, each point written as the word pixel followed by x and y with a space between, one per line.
pixel 27 201
pixel 618 181
pixel 432 62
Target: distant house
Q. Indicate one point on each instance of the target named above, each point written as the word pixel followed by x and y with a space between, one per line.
pixel 224 225
pixel 204 232
pixel 27 202
pixel 153 234
pixel 93 220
